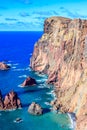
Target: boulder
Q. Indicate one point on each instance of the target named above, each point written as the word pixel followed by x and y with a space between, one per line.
pixel 29 82
pixel 35 109
pixel 4 66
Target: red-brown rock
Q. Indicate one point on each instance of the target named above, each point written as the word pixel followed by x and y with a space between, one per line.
pixel 29 82
pixel 4 66
pixel 11 101
pixel 61 53
pixel 35 109
pixel 1 101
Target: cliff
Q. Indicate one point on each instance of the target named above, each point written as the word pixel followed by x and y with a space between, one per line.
pixel 62 54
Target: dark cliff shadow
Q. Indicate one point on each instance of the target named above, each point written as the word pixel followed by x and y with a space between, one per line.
pixel 25 105
pixel 46 110
pixel 26 90
pixel 33 90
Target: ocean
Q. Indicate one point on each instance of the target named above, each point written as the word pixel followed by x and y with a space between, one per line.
pixel 16 49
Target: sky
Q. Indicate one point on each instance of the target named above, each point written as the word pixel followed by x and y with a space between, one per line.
pixel 29 15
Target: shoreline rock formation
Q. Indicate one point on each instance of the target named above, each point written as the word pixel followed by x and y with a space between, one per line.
pixel 4 66
pixel 29 82
pixel 11 101
pixel 35 109
pixel 61 53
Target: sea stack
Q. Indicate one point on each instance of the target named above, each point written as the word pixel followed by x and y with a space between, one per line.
pixel 29 82
pixel 61 53
pixel 11 101
pixel 35 109
pixel 4 66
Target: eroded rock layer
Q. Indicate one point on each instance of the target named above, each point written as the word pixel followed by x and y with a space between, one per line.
pixel 11 101
pixel 62 54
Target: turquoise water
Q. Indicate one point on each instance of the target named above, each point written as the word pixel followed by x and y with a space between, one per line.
pixel 16 49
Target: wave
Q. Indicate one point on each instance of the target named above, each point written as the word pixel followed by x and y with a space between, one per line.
pixel 18 69
pixel 41 86
pixel 51 92
pixel 47 103
pixel 9 64
pixel 22 76
pixel 41 80
pixel 14 67
pixel 38 99
pixel 16 64
pixel 72 120
pixel 20 86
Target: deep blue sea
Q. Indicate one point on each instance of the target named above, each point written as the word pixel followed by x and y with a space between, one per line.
pixel 16 49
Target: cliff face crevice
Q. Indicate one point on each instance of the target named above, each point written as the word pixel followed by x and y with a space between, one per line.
pixel 62 54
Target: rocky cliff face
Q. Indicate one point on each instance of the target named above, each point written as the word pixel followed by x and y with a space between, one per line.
pixel 62 54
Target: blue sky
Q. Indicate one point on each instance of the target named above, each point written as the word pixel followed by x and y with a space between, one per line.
pixel 29 15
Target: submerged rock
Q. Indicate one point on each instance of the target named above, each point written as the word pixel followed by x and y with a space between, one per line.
pixel 4 66
pixel 35 109
pixel 11 101
pixel 18 120
pixel 29 82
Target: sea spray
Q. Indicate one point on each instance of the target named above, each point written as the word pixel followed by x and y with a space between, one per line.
pixel 72 120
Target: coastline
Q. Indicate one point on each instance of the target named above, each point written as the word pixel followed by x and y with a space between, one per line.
pixel 72 120
pixel 61 53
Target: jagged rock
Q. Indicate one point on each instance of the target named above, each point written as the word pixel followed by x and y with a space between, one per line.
pixel 4 66
pixel 1 101
pixel 35 109
pixel 61 53
pixel 11 101
pixel 29 82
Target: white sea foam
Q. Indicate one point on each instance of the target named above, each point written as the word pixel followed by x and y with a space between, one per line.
pixel 38 99
pixel 10 110
pixel 9 61
pixel 47 103
pixel 28 68
pixel 20 85
pixel 14 67
pixel 51 92
pixel 18 69
pixel 22 76
pixel 16 64
pixel 72 121
pixel 9 64
pixel 41 86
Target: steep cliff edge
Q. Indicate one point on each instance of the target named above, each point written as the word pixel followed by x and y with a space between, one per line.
pixel 62 54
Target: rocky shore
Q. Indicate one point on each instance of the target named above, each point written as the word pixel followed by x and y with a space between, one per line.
pixel 61 53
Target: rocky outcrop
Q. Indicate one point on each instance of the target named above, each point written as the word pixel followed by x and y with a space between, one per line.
pixel 4 66
pixel 11 101
pixel 29 82
pixel 1 101
pixel 62 54
pixel 35 109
